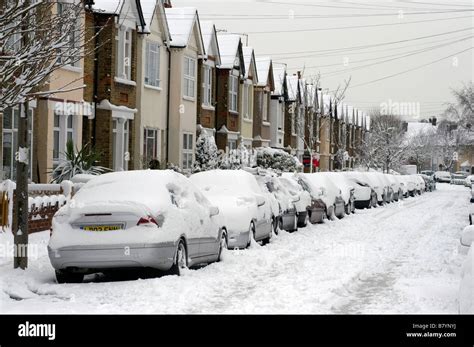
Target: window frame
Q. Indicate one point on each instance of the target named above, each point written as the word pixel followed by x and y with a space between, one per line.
pixel 152 64
pixel 233 93
pixel 124 52
pixel 189 80
pixel 187 151
pixel 207 86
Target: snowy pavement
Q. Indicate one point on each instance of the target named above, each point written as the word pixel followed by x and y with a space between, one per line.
pixel 402 258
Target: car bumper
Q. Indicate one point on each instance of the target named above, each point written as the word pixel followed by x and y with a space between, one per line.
pixel 89 258
pixel 289 221
pixel 360 204
pixel 318 212
pixel 237 239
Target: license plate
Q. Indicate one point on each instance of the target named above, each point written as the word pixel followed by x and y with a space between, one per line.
pixel 101 227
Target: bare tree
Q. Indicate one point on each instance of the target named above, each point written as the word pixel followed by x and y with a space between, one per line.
pixel 463 110
pixel 37 38
pixel 450 138
pixel 421 147
pixel 385 146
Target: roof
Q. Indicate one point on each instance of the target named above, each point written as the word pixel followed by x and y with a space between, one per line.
pixel 292 83
pixel 310 95
pixel 263 69
pixel 229 47
pixel 108 6
pixel 249 58
pixel 207 30
pixel 418 128
pixel 279 72
pixel 180 22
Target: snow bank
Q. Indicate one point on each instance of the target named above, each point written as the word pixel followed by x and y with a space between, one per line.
pixel 466 291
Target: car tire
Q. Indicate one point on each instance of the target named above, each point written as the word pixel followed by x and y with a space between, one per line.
pixel 276 224
pixel 180 259
pixel 251 233
pixel 223 245
pixel 63 276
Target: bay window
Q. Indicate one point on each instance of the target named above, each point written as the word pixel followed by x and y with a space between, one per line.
pixel 207 85
pixel 233 93
pixel 189 74
pixel 152 65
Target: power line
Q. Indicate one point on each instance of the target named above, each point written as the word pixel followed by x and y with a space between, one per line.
pixel 371 45
pixel 354 26
pixel 410 70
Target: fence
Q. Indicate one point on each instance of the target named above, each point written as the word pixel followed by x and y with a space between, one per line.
pixel 43 202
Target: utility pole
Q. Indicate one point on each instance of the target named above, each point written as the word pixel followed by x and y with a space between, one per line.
pixel 20 225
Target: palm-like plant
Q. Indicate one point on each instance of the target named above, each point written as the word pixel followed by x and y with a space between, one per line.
pixel 77 162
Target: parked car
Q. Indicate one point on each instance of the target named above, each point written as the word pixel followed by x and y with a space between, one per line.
pixel 411 185
pixel 364 195
pixel 301 198
pixel 403 186
pixel 316 212
pixel 395 186
pixel 346 187
pixel 430 183
pixel 458 179
pixel 331 194
pixel 428 172
pixel 287 215
pixel 419 184
pixel 135 219
pixel 442 176
pixel 469 181
pixel 246 209
pixel 466 289
pixel 472 194
pixel 383 193
pixel 467 236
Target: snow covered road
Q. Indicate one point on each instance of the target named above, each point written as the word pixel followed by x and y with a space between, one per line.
pixel 402 258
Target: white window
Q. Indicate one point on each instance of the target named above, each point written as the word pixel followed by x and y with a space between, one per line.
pixel 11 118
pixel 120 146
pixel 233 93
pixel 207 85
pixel 152 67
pixel 65 9
pixel 245 101
pixel 189 74
pixel 150 144
pixel 63 131
pixel 124 52
pixel 232 144
pixel 265 107
pixel 187 151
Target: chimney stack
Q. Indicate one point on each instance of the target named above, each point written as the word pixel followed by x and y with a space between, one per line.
pixel 167 4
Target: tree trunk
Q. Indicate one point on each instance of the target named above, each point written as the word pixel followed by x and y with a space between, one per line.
pixel 20 225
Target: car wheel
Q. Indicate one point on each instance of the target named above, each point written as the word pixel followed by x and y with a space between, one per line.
pixel 222 245
pixel 251 233
pixel 180 259
pixel 63 276
pixel 306 220
pixel 276 224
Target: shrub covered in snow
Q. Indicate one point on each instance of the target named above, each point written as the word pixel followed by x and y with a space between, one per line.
pixel 206 154
pixel 277 159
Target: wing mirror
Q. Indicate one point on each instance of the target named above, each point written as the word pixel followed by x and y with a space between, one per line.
pixel 260 200
pixel 213 211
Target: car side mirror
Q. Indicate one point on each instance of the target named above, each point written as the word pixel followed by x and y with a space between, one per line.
pixel 213 211
pixel 260 200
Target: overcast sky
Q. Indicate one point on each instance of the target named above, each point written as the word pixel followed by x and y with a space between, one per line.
pixel 290 32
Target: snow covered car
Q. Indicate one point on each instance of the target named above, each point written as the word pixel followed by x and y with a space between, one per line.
pixel 246 209
pixel 282 199
pixel 301 199
pixel 135 219
pixel 328 192
pixel 316 211
pixel 395 187
pixel 379 185
pixel 411 184
pixel 467 236
pixel 421 185
pixel 364 195
pixel 430 184
pixel 442 176
pixel 469 181
pixel 346 187
pixel 458 179
pixel 403 192
pixel 466 289
pixel 389 193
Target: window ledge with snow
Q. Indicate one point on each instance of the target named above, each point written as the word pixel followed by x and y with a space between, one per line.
pixel 125 81
pixel 158 89
pixel 208 107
